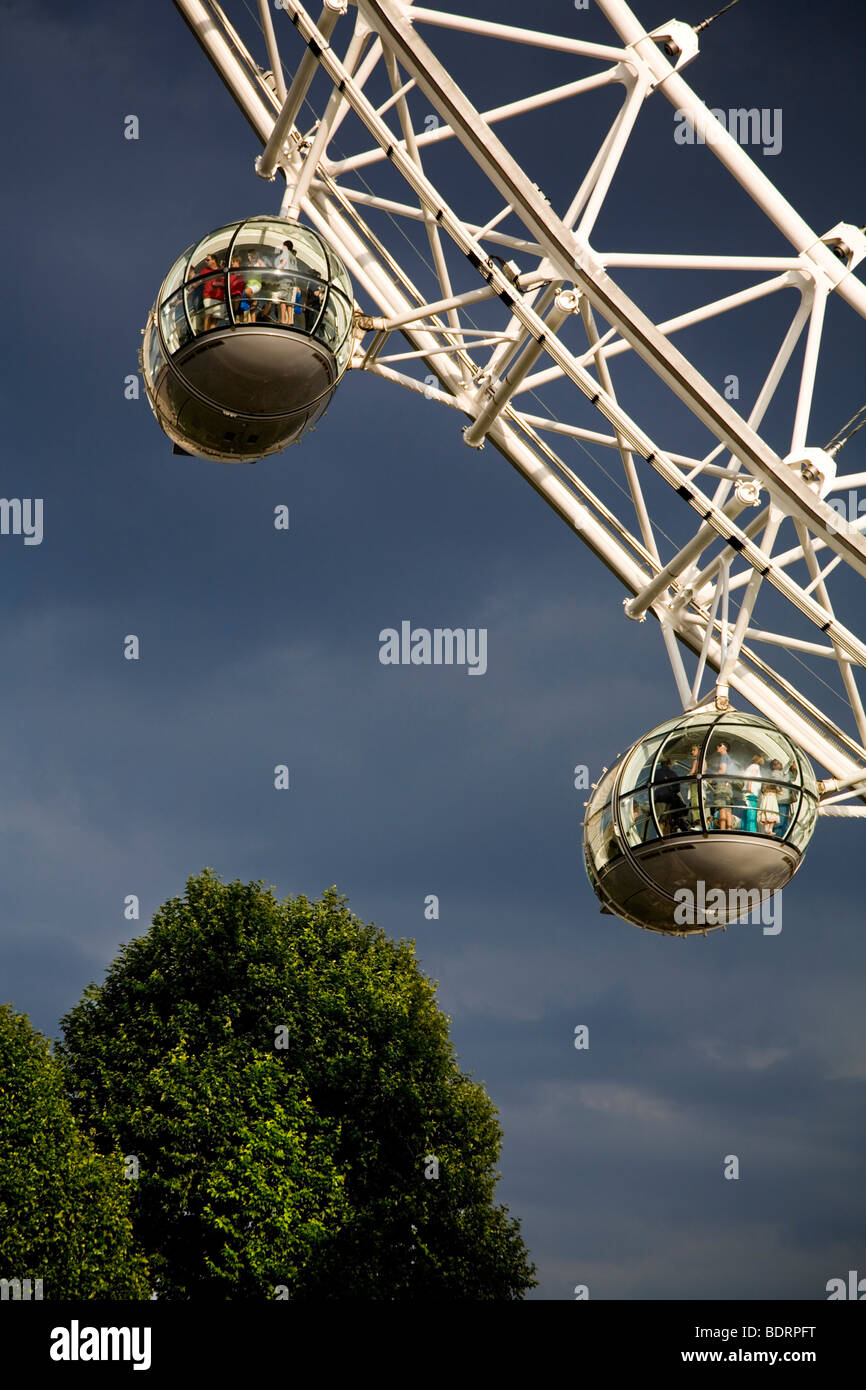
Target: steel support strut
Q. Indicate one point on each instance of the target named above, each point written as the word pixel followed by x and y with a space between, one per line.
pixel 266 164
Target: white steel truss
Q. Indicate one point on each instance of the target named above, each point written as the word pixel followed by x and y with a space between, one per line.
pixel 748 522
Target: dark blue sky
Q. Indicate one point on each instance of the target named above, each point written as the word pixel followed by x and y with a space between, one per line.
pixel 261 647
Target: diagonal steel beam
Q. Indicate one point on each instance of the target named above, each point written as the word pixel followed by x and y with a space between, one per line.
pixel 575 260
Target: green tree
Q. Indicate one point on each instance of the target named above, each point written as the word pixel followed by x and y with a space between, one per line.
pixel 64 1208
pixel 334 1094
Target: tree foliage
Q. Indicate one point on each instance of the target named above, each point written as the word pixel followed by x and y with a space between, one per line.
pixel 64 1207
pixel 286 1076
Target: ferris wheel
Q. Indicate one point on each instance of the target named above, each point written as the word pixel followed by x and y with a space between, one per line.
pixel 482 297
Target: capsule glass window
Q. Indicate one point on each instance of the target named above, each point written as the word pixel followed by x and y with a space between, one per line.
pixel 638 769
pixel 339 275
pixel 636 818
pixel 174 322
pixel 215 245
pixel 802 823
pixel 155 360
pixel 334 327
pixel 671 804
pixel 766 748
pixel 593 835
pixel 176 276
pixel 684 748
pixel 310 253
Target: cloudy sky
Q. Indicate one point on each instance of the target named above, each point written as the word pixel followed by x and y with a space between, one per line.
pixel 261 647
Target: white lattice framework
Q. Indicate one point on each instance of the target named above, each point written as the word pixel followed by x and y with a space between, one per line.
pixel 531 348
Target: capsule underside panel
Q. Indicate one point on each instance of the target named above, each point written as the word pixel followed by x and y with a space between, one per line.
pixel 205 428
pixel 736 865
pixel 255 371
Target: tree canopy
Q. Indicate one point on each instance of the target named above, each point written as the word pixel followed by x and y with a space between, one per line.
pixel 64 1207
pixel 286 1078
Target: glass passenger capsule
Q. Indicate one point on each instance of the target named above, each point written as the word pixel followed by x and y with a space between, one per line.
pixel 710 809
pixel 250 334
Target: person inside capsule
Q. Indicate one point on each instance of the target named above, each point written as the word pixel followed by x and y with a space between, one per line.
pixel 752 790
pixel 641 821
pixel 312 305
pixel 768 807
pixel 671 809
pixel 720 791
pixel 286 262
pixel 214 293
pixel 782 795
pixel 241 305
pixel 253 286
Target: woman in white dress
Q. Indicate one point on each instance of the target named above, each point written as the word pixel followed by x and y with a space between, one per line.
pixel 287 294
pixel 768 810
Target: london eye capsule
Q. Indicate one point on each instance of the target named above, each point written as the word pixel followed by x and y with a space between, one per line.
pixel 699 822
pixel 249 336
